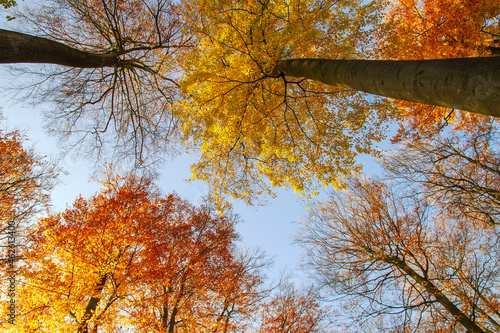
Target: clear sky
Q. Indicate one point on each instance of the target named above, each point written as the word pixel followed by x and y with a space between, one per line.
pixel 268 227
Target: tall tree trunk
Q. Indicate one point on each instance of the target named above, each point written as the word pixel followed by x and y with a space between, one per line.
pixel 452 309
pixel 92 305
pixel 16 47
pixel 470 84
pixel 171 323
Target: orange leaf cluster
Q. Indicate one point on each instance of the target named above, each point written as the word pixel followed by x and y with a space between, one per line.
pixel 130 258
pixel 25 180
pixel 433 29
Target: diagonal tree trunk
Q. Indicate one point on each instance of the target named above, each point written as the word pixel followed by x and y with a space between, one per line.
pixel 16 47
pixel 470 84
pixel 92 305
pixel 432 289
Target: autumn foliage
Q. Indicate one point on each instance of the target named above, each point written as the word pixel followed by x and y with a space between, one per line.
pixel 433 29
pixel 459 171
pixel 443 28
pixel 257 130
pixel 293 310
pixel 128 257
pixel 396 251
pixel 24 179
pixel 25 183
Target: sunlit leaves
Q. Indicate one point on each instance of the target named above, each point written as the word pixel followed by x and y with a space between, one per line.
pixel 443 28
pixel 25 181
pixel 432 29
pixel 131 258
pixel 293 310
pixel 257 130
pixel 389 251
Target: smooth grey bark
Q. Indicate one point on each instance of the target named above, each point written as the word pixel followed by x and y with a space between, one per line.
pixel 17 47
pixel 470 84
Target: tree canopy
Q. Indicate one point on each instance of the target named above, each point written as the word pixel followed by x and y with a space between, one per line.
pixel 129 258
pixel 26 180
pixel 256 128
pixel 240 84
pixel 216 75
pixel 115 97
pixel 388 253
pixel 418 248
pixel 438 29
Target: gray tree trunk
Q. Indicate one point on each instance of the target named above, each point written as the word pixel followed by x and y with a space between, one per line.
pixel 461 317
pixel 16 47
pixel 470 84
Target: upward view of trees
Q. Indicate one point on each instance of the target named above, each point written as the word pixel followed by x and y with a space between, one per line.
pixel 441 29
pixel 26 180
pixel 258 115
pixel 228 79
pixel 392 256
pixel 264 94
pixel 461 172
pixel 130 259
pixel 465 84
pixel 117 84
pixel 422 248
pixel 129 252
pixel 295 311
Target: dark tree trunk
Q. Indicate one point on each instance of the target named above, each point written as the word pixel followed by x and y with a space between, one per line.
pixel 171 323
pixel 461 317
pixel 92 306
pixel 470 84
pixel 16 47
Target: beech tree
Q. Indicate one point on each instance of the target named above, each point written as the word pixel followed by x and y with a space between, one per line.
pixel 259 115
pixel 440 29
pixel 246 103
pixel 293 310
pixel 117 83
pixel 256 128
pixel 197 281
pixel 460 171
pixel 26 179
pixel 129 258
pixel 465 83
pixel 392 253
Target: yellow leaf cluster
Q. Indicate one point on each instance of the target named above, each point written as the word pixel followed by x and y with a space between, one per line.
pixel 257 130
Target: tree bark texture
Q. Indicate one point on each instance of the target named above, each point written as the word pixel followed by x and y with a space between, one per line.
pixel 92 305
pixel 470 84
pixel 17 47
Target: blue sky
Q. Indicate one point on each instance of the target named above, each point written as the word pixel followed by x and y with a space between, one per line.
pixel 268 227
